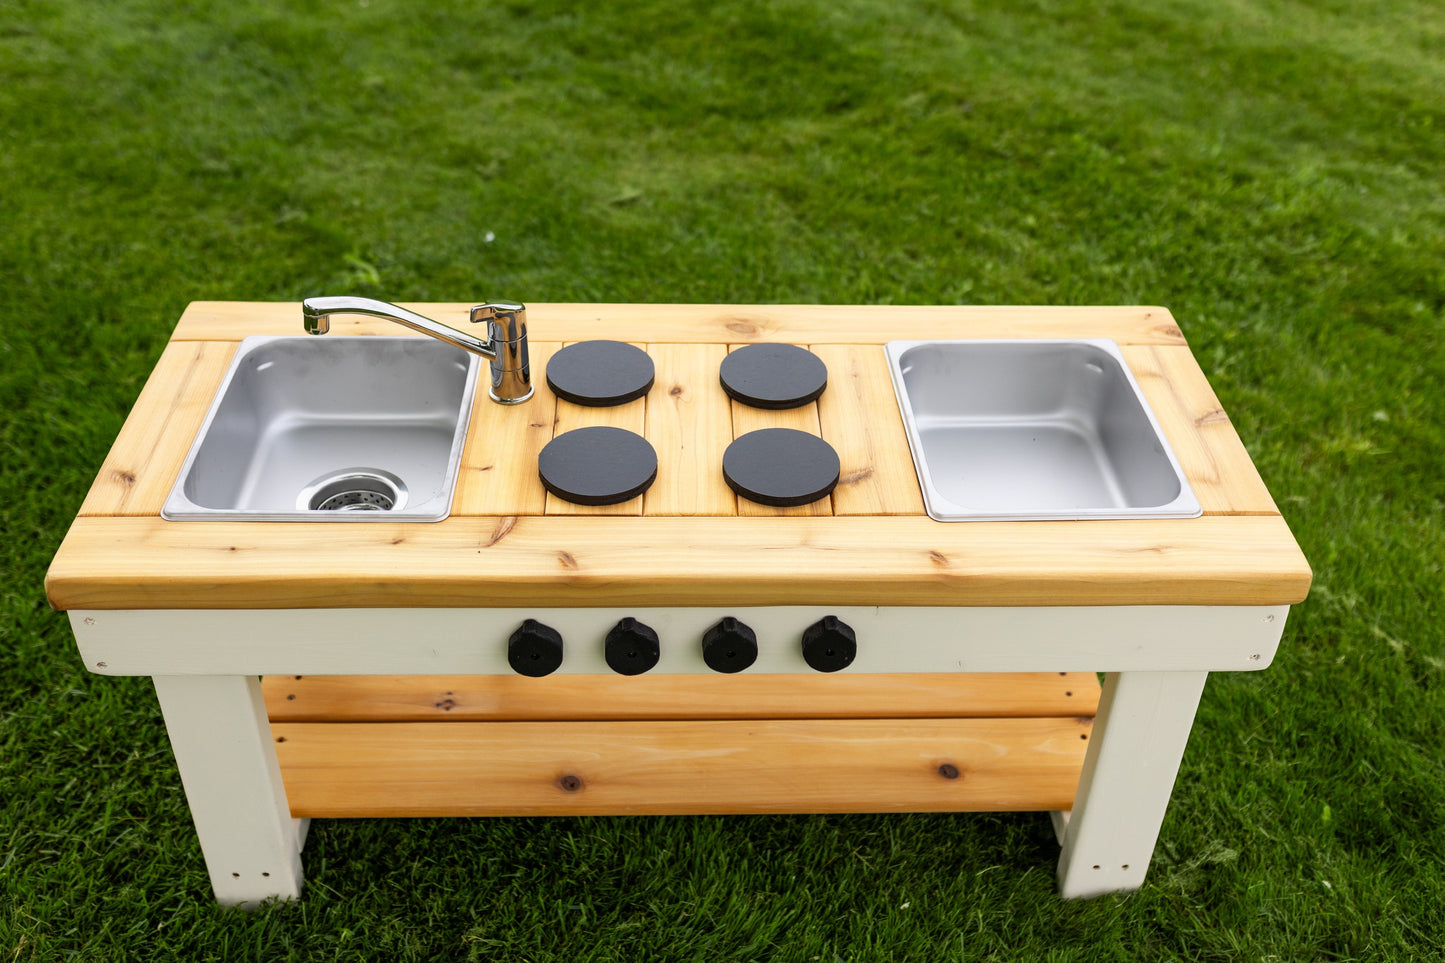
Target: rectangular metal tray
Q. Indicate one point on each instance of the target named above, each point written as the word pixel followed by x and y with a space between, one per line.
pixel 1034 430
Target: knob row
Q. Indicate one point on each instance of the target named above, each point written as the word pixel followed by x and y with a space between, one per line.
pixel 632 647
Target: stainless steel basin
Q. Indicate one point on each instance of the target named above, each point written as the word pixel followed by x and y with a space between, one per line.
pixel 331 429
pixel 1033 429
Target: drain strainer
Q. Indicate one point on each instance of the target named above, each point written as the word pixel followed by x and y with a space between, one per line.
pixel 353 490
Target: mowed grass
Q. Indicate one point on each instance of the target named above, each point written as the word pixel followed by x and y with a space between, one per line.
pixel 1272 172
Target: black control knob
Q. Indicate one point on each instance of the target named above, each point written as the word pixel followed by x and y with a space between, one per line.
pixel 535 649
pixel 829 644
pixel 631 647
pixel 729 646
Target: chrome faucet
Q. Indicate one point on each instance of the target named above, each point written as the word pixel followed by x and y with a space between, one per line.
pixel 506 343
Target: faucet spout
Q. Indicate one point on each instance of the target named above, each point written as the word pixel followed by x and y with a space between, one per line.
pixel 505 345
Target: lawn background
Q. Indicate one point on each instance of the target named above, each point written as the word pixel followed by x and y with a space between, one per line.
pixel 1272 172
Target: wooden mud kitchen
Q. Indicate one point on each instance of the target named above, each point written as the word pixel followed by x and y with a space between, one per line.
pixel 677 647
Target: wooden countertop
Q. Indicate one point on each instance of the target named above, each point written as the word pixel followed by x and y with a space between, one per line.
pixel 688 540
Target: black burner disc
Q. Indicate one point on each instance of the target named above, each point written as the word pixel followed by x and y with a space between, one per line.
pixel 600 373
pixel 781 466
pixel 774 376
pixel 597 466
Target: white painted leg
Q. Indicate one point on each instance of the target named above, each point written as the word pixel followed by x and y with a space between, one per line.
pixel 1060 818
pixel 222 743
pixel 1139 736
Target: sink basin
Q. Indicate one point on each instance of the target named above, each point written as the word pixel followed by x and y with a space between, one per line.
pixel 1034 429
pixel 331 429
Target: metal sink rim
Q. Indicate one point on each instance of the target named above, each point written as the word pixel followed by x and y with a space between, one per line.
pixel 943 509
pixel 178 505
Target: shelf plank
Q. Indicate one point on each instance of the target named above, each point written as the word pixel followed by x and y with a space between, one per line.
pixel 1214 460
pixel 746 418
pixel 860 418
pixel 499 464
pixel 685 767
pixel 145 459
pixel 500 698
pixel 630 417
pixel 689 423
pixel 128 563
pixel 722 323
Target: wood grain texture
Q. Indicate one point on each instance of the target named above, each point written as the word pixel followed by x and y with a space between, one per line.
pixel 501 698
pixel 119 555
pixel 142 465
pixel 689 423
pixel 722 323
pixel 860 418
pixel 126 563
pixel 746 418
pixel 499 464
pixel 752 766
pixel 629 417
pixel 1214 460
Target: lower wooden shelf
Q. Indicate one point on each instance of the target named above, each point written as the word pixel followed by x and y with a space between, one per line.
pixel 842 695
pixel 354 746
pixel 695 766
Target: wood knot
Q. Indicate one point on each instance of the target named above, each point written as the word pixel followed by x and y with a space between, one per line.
pixel 124 477
pixel 739 326
pixel 948 771
pixel 567 560
pixel 856 476
pixel 446 705
pixel 504 526
pixel 398 540
pixel 570 783
pixel 938 558
pixel 676 391
pixel 1215 417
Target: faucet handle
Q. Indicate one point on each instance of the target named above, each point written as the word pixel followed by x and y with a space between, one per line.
pixel 507 337
pixel 506 320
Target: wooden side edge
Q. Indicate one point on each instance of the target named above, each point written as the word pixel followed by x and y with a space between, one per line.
pixel 136 563
pixel 723 323
pixel 498 473
pixel 440 698
pixel 616 768
pixel 1209 450
pixel 861 419
pixel 747 419
pixel 631 416
pixel 689 422
pixel 146 457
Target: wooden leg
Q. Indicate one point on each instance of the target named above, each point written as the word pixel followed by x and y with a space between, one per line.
pixel 1139 736
pixel 222 743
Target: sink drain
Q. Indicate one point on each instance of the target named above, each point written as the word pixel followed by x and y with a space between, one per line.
pixel 355 500
pixel 353 490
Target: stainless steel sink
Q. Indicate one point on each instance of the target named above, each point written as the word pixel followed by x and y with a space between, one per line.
pixel 1034 429
pixel 331 429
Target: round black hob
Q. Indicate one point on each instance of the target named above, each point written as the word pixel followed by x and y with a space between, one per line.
pixel 773 376
pixel 781 467
pixel 597 466
pixel 600 373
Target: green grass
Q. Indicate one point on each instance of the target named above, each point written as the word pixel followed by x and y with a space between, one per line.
pixel 1270 171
